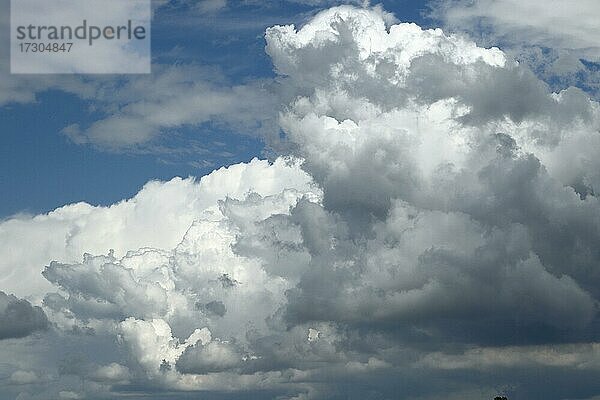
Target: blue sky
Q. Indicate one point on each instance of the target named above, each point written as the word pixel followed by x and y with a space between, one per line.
pixel 42 169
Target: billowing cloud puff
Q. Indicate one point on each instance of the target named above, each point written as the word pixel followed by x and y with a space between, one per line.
pixel 436 220
pixel 158 216
pixel 443 134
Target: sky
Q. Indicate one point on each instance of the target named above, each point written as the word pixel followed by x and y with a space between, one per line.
pixel 310 199
pixel 45 168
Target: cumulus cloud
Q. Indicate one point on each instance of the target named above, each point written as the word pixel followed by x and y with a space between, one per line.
pixel 435 220
pixel 158 216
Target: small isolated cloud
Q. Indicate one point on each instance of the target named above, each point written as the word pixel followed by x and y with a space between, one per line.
pixel 112 373
pixel 18 318
pixel 24 377
pixel 70 395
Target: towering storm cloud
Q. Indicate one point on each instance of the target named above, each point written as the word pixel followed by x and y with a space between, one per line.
pixel 429 230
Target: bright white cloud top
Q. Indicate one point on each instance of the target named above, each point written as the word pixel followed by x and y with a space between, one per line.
pixel 434 203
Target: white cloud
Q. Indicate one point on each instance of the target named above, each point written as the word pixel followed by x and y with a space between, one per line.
pixel 112 372
pixel 138 111
pixel 145 107
pixel 152 343
pixel 158 216
pixel 566 24
pixel 551 36
pixel 24 377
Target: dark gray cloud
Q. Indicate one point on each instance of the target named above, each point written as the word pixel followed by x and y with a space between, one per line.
pixel 18 318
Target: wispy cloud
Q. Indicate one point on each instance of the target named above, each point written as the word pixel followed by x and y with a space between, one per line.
pixel 551 36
